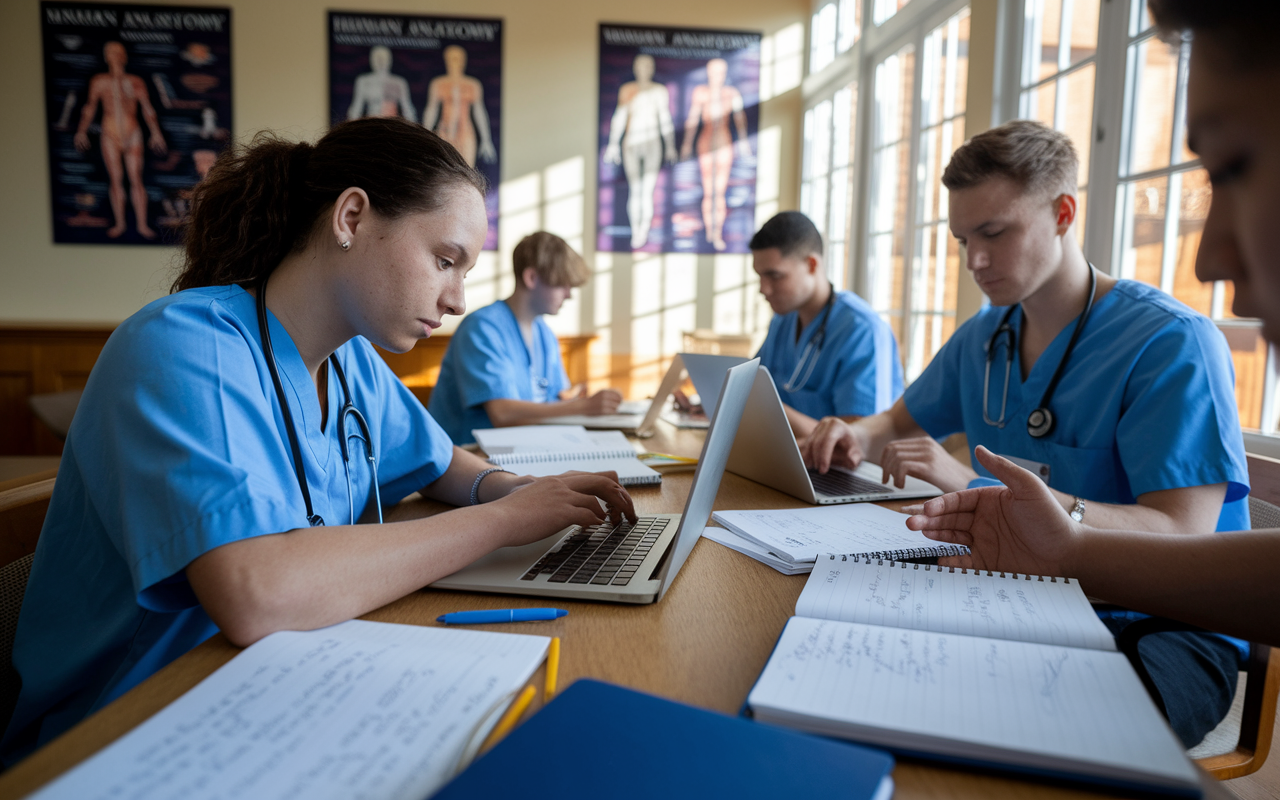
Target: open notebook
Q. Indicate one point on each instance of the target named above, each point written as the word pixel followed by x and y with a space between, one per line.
pixel 998 669
pixel 360 709
pixel 541 450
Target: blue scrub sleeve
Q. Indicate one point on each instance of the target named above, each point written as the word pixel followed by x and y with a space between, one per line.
pixel 487 369
pixel 932 399
pixel 557 377
pixel 864 383
pixel 190 456
pixel 1184 381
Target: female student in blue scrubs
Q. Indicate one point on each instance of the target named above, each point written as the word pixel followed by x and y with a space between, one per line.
pixel 1222 583
pixel 1118 396
pixel 828 352
pixel 503 364
pixel 212 475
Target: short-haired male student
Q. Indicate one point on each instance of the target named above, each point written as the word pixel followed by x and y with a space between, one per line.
pixel 1120 397
pixel 828 352
pixel 503 365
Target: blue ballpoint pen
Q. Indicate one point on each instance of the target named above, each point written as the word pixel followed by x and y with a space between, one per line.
pixel 501 615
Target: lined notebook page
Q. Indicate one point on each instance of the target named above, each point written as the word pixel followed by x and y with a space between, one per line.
pixel 802 534
pixel 361 709
pixel 1014 702
pixel 998 605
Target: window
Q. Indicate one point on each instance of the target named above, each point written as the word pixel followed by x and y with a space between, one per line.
pixel 833 29
pixel 1090 69
pixel 826 190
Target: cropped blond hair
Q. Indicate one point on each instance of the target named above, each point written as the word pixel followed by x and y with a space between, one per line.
pixel 551 258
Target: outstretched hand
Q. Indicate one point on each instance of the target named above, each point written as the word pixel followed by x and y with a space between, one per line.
pixel 1018 527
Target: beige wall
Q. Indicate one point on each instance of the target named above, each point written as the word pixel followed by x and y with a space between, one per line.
pixel 548 162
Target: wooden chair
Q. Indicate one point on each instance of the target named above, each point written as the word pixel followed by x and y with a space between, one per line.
pixel 22 512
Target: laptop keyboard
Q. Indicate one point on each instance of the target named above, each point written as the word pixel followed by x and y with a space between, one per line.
pixel 836 484
pixel 606 554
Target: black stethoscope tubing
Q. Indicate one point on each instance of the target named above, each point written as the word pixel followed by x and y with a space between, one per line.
pixel 1040 422
pixel 348 409
pixel 814 346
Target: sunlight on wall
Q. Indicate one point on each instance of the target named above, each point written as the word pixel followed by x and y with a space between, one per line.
pixel 781 61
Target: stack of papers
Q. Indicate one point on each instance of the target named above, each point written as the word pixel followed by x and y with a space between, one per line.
pixel 541 450
pixel 789 540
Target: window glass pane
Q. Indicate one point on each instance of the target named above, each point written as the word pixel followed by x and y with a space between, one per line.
pixel 1155 84
pixel 1074 114
pixel 1142 255
pixel 822 38
pixel 806 161
pixel 946 67
pixel 1249 356
pixel 850 24
pixel 1048 32
pixel 1193 207
pixel 1140 18
pixel 842 127
pixel 884 9
pixel 1083 42
pixel 890 176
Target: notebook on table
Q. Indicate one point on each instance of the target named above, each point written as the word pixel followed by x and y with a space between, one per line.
pixel 541 450
pixel 627 418
pixel 1011 671
pixel 639 747
pixel 796 536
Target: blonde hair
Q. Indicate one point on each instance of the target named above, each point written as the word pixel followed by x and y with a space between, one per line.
pixel 1031 154
pixel 551 258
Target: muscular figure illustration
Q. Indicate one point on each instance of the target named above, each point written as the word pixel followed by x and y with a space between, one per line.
pixel 455 109
pixel 120 95
pixel 643 116
pixel 711 104
pixel 379 93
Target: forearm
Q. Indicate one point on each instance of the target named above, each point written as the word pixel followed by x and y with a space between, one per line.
pixel 505 413
pixel 454 486
pixel 313 577
pixel 888 426
pixel 801 424
pixel 1189 510
pixel 1224 582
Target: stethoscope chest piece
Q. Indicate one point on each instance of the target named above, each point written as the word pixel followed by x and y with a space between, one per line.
pixel 1040 423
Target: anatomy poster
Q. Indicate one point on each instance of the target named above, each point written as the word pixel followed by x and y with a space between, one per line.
pixel 442 72
pixel 679 109
pixel 137 107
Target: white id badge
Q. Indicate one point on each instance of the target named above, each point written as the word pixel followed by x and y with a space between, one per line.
pixel 1035 467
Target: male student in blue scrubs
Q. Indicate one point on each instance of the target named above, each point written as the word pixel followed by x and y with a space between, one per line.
pixel 1144 432
pixel 828 352
pixel 503 364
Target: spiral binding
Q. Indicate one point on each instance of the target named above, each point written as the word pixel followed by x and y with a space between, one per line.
pixel 509 459
pixel 896 557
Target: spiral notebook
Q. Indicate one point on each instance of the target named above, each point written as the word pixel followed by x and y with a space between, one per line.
pixel 797 535
pixel 996 669
pixel 541 450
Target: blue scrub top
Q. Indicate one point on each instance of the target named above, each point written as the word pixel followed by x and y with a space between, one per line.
pixel 178 446
pixel 1146 402
pixel 857 372
pixel 488 360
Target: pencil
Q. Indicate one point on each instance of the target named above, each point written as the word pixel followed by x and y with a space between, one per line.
pixel 553 670
pixel 509 719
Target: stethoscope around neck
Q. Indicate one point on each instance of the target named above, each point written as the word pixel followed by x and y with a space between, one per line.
pixel 1040 422
pixel 348 409
pixel 809 356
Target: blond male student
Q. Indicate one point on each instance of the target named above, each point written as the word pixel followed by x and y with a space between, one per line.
pixel 1118 396
pixel 503 364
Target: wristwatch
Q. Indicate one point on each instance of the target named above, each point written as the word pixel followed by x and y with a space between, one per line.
pixel 1077 510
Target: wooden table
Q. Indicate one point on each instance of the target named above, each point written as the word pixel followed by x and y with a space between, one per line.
pixel 704 644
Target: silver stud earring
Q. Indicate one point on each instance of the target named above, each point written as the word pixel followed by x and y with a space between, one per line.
pixel 345 244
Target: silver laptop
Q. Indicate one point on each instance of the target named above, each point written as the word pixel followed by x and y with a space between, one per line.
pixel 707 373
pixel 621 563
pixel 766 452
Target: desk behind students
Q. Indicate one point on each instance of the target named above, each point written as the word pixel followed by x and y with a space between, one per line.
pixel 705 644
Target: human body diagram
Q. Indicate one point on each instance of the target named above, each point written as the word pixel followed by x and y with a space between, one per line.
pixel 455 109
pixel 711 105
pixel 121 95
pixel 380 93
pixel 642 139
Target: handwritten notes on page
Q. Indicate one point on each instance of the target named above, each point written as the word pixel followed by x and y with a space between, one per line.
pixel 801 534
pixel 358 710
pixel 1034 705
pixel 1002 606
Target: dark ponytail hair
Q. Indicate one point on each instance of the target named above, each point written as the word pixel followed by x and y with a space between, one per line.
pixel 263 200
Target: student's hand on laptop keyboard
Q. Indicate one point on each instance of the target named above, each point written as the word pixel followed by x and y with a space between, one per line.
pixel 833 443
pixel 549 504
pixel 925 459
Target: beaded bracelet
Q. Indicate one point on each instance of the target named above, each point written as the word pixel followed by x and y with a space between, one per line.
pixel 475 487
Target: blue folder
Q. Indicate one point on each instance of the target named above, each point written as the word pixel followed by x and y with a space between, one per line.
pixel 600 740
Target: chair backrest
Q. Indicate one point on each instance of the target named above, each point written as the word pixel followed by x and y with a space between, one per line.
pixel 13 586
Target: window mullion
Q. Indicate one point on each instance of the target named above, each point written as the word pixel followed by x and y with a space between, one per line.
pixel 1101 242
pixel 913 156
